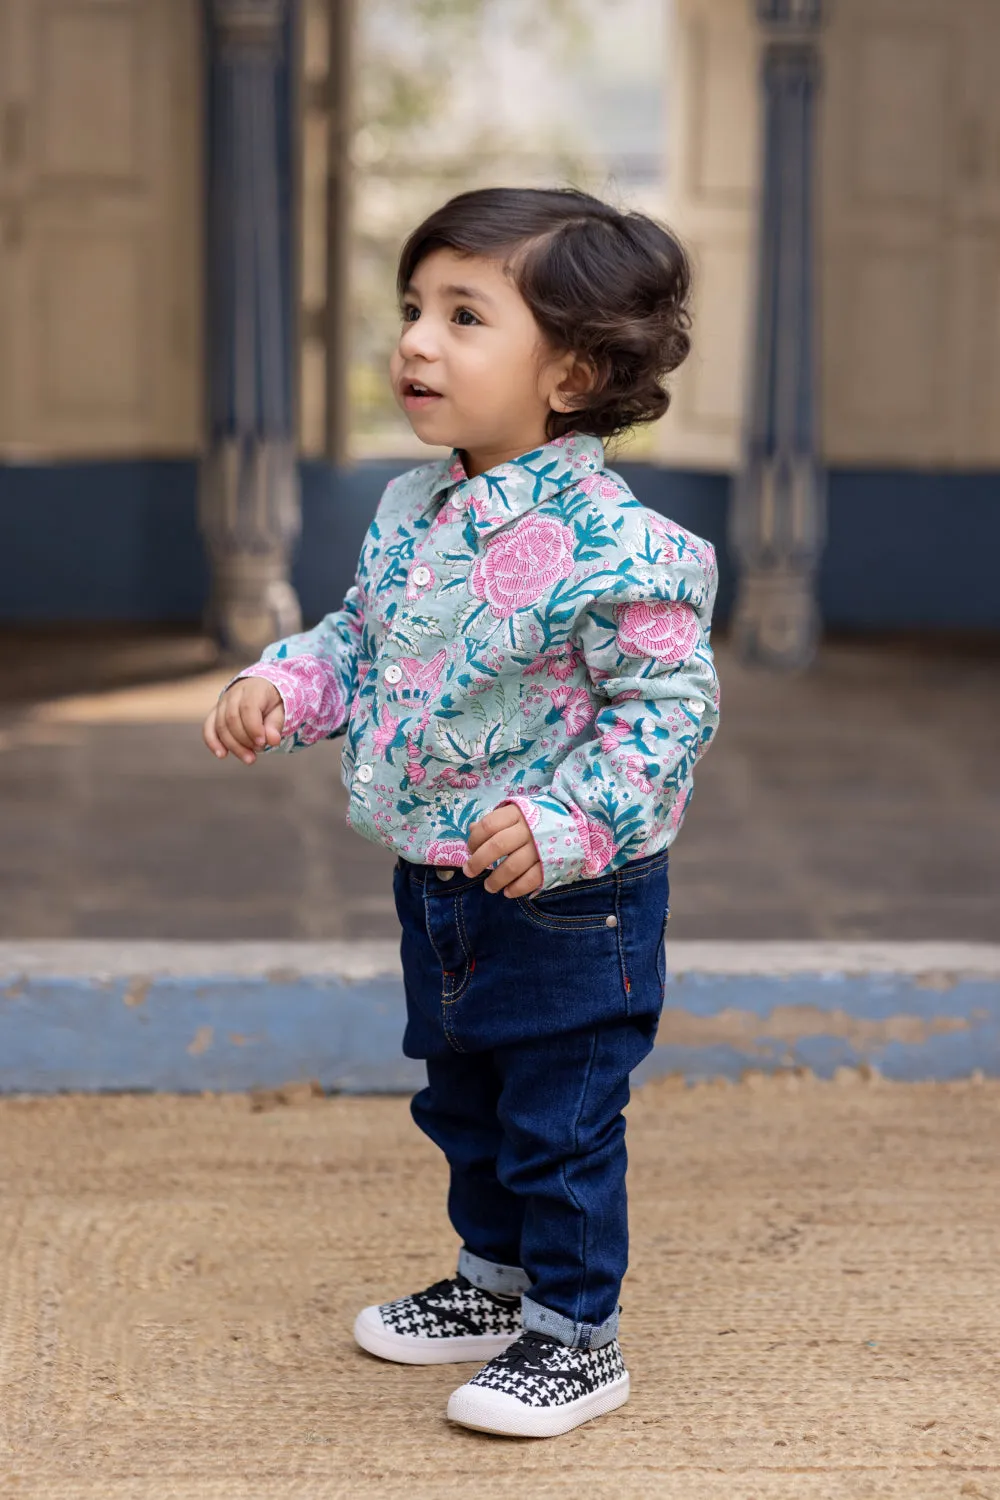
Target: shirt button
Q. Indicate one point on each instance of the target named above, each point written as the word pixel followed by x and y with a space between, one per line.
pixel 364 773
pixel 611 921
pixel 694 704
pixel 421 575
pixel 457 503
pixel 445 874
pixel 393 673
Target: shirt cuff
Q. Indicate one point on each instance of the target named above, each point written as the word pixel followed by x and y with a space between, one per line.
pixel 310 693
pixel 561 837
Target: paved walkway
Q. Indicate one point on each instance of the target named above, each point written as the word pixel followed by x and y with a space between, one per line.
pixel 861 801
pixel 812 1311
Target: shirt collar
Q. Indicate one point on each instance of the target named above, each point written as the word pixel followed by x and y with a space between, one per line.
pixel 501 495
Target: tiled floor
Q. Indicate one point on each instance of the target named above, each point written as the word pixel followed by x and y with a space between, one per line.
pixel 859 801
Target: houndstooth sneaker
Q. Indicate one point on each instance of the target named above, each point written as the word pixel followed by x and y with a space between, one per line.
pixel 540 1388
pixel 449 1322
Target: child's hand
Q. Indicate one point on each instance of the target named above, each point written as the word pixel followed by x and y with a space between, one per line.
pixel 504 832
pixel 248 716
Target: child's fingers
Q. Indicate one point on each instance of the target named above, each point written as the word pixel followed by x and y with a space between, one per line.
pixel 252 720
pixel 210 737
pixel 232 733
pixel 236 744
pixel 504 842
pixel 486 828
pixel 528 882
pixel 274 722
pixel 232 726
pixel 513 865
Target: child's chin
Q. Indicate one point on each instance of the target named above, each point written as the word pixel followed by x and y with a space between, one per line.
pixel 433 432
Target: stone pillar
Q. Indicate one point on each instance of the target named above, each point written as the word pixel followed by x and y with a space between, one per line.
pixel 249 498
pixel 777 518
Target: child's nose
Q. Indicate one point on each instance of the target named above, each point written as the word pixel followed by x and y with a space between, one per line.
pixel 417 338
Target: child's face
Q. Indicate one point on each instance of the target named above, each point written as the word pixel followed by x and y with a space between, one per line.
pixel 470 339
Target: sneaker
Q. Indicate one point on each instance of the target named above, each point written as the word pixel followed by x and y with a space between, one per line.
pixel 451 1321
pixel 539 1388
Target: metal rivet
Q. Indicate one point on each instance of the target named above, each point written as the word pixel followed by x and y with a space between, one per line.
pixel 611 921
pixel 446 874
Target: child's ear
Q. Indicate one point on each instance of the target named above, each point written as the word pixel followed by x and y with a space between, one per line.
pixel 578 378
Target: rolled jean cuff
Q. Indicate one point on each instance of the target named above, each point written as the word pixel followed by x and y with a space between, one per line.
pixel 574 1335
pixel 502 1281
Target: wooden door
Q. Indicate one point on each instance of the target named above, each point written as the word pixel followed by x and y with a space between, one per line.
pixel 99 227
pixel 713 173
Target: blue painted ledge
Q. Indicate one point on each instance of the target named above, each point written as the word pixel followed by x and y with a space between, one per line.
pixel 187 1017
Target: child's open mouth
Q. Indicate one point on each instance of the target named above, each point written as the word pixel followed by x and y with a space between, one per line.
pixel 417 395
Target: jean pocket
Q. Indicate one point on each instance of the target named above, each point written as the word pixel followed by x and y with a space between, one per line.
pixel 582 905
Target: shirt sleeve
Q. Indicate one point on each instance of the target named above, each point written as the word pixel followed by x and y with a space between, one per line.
pixel 316 673
pixel 623 792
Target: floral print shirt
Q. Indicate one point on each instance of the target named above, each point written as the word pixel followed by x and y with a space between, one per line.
pixel 531 636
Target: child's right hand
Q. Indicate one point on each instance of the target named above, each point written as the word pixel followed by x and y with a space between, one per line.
pixel 248 716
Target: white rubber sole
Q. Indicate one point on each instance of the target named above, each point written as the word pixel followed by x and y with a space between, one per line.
pixel 494 1411
pixel 409 1349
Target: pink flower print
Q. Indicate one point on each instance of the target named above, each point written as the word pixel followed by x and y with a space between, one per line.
pixel 480 510
pixel 602 483
pixel 520 564
pixel 635 770
pixel 658 628
pixel 414 590
pixel 386 732
pixel 575 706
pixel 446 852
pixel 463 779
pixel 679 809
pixel 666 545
pixel 559 662
pixel 702 552
pixel 612 738
pixel 598 844
pixel 628 693
pixel 416 773
pixel 419 678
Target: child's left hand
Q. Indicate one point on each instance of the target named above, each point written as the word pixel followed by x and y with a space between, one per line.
pixel 504 832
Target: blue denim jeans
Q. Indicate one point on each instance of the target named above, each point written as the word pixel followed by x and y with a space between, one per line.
pixel 531 1013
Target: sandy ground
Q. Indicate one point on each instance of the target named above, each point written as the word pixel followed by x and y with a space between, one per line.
pixel 813 1308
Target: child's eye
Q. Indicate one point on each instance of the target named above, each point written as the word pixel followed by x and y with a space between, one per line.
pixel 409 313
pixel 465 318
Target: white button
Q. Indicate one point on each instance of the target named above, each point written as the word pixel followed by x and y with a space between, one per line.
pixel 364 773
pixel 694 704
pixel 611 921
pixel 421 575
pixel 446 874
pixel 457 502
pixel 393 673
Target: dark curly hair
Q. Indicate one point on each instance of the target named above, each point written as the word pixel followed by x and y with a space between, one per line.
pixel 612 287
